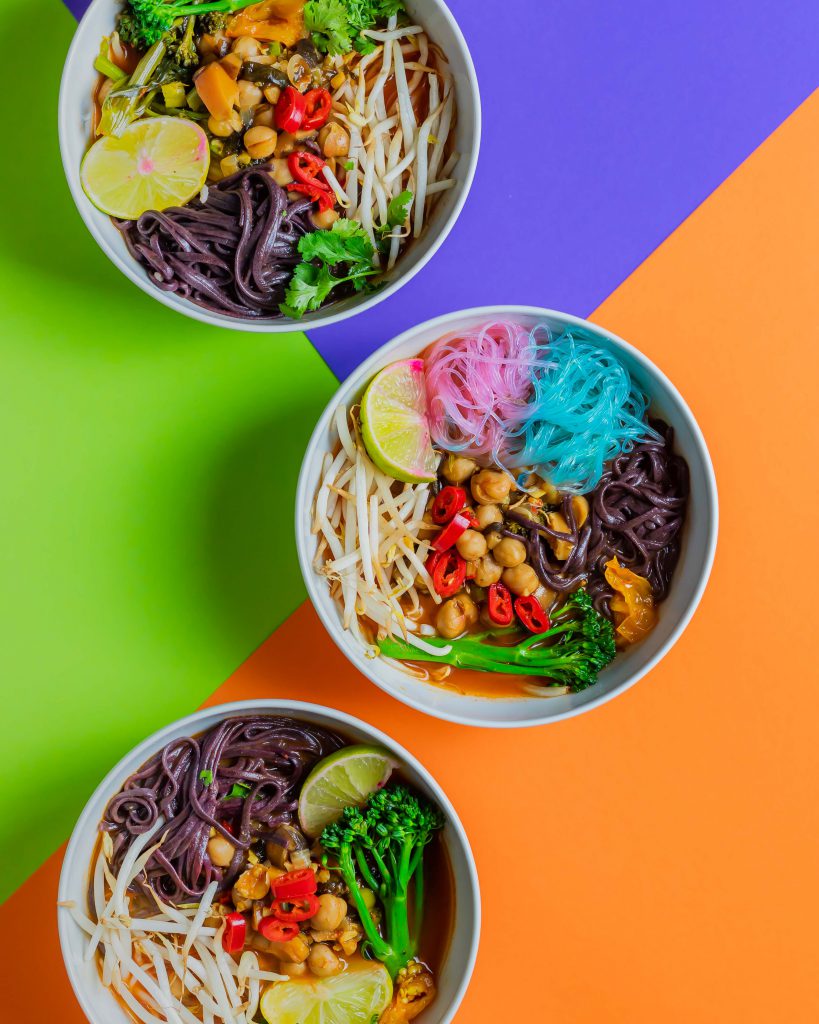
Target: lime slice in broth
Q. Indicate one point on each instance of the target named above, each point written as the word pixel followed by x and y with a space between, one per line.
pixel 394 423
pixel 154 164
pixel 358 996
pixel 341 780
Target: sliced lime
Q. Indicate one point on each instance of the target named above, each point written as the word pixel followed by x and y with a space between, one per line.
pixel 358 996
pixel 394 423
pixel 341 780
pixel 154 164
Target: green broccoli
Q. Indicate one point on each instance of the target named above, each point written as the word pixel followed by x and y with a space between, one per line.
pixel 576 647
pixel 213 21
pixel 383 845
pixel 144 22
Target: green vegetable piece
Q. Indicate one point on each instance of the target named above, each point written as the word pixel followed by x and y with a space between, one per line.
pixel 240 789
pixel 145 22
pixel 129 100
pixel 206 775
pixel 345 243
pixel 577 646
pixel 336 25
pixel 174 94
pixel 383 844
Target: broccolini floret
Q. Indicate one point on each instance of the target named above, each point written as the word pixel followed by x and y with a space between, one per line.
pixel 383 845
pixel 576 647
pixel 144 22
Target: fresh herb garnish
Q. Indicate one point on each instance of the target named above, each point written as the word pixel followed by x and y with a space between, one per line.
pixel 349 165
pixel 336 25
pixel 206 775
pixel 346 244
pixel 397 214
pixel 240 789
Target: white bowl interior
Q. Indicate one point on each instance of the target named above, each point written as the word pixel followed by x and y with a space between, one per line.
pixel 100 1005
pixel 75 114
pixel 692 572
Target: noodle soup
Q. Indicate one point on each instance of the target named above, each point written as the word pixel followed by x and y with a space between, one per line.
pixel 241 875
pixel 501 514
pixel 265 160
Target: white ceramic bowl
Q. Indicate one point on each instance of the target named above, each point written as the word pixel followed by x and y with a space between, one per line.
pixel 101 1006
pixel 699 538
pixel 76 108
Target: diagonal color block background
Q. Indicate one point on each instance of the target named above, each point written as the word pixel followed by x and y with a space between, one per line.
pixel 667 842
pixel 150 477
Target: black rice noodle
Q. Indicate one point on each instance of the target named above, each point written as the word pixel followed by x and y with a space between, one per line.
pixel 636 513
pixel 270 755
pixel 233 254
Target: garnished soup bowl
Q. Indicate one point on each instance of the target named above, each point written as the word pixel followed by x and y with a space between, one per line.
pixel 690 577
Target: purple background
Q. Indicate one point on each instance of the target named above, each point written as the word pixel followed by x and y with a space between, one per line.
pixel 604 126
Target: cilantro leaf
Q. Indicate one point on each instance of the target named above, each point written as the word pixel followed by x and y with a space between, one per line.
pixel 345 243
pixel 398 209
pixel 239 789
pixel 336 25
pixel 327 23
pixel 206 775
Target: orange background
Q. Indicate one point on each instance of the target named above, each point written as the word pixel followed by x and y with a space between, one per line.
pixel 656 859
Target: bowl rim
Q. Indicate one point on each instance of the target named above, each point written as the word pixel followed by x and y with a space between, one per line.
pixel 139 754
pixel 134 272
pixel 374 362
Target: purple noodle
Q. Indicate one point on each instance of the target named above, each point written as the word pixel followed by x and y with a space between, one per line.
pixel 636 513
pixel 269 755
pixel 232 254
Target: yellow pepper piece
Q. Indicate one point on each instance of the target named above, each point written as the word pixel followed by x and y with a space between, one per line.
pixel 632 604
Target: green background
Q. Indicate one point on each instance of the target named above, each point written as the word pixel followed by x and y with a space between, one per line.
pixel 148 487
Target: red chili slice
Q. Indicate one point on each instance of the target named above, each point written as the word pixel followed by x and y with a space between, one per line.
pixel 294 884
pixel 306 168
pixel 323 196
pixel 290 110
pixel 449 574
pixel 451 532
pixel 300 908
pixel 233 937
pixel 318 105
pixel 448 501
pixel 531 614
pixel 499 605
pixel 274 930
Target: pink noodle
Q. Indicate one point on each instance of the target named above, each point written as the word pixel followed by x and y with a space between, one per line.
pixel 478 384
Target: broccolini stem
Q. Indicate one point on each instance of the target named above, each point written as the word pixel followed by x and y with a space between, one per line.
pixel 365 871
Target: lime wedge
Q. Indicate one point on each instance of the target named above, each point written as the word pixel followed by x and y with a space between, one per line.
pixel 394 423
pixel 341 780
pixel 358 996
pixel 156 163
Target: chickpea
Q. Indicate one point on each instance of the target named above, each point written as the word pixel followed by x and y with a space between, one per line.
pixel 488 514
pixel 325 219
pixel 489 486
pixel 225 128
pixel 322 961
pixel 220 851
pixel 264 115
pixel 250 95
pixel 471 545
pixel 493 538
pixel 260 142
pixel 487 571
pixel 561 548
pixel 285 144
pixel 272 94
pixel 522 580
pixel 331 912
pixel 471 610
pixel 457 468
pixel 246 47
pixel 280 172
pixel 451 619
pixel 580 508
pixel 509 552
pixel 334 140
pixel 291 970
